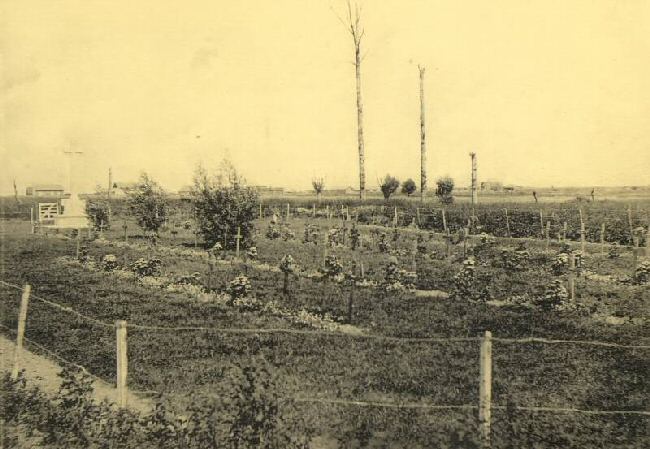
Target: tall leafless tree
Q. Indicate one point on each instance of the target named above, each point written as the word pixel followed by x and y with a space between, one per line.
pixel 423 146
pixel 356 31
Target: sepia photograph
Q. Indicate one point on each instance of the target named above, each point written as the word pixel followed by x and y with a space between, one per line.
pixel 325 224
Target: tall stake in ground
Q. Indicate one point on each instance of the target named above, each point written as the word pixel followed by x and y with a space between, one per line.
pixel 485 389
pixel 474 186
pixel 20 334
pixel 357 32
pixel 423 146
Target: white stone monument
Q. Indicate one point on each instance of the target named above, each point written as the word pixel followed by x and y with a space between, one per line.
pixel 74 209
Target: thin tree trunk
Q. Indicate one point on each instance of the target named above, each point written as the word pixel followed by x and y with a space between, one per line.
pixel 423 147
pixel 362 170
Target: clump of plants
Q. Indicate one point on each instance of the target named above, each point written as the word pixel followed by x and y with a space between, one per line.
pixel 556 297
pixel 560 264
pixel 147 267
pixel 109 262
pixel 383 245
pixel 355 237
pixel 332 269
pixel 251 253
pixel 189 279
pixel 642 273
pixel 288 266
pixel 396 279
pixel 239 290
pixel 614 251
pixel 515 260
pixel 336 236
pixel 311 234
pixel 280 231
pixel 467 284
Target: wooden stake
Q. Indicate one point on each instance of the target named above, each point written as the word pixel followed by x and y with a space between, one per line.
pixel 417 213
pixel 78 242
pixel 541 222
pixel 237 238
pixel 395 217
pixel 122 362
pixel 507 223
pixel 261 214
pixel 444 222
pixel 485 389
pixel 20 334
pixel 288 210
pixel 582 238
pixel 629 220
pixel 31 218
pixel 548 234
pixel 313 210
pixel 564 231
pixel 602 239
pixel 572 269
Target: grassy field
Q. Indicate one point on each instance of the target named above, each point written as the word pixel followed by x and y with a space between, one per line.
pixel 341 366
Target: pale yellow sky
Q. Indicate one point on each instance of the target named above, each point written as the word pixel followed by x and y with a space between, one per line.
pixel 546 92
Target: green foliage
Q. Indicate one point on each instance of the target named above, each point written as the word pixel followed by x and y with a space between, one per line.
pixel 409 187
pixel 238 288
pixel 445 190
pixel 147 267
pixel 223 204
pixel 98 213
pixel 148 204
pixel 389 185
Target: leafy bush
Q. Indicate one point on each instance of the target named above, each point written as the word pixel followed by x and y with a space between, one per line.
pixel 223 206
pixel 148 204
pixel 311 234
pixel 109 262
pixel 396 279
pixel 409 187
pixel 388 186
pixel 238 288
pixel 642 273
pixel 143 267
pixel 556 297
pixel 98 213
pixel 333 268
pixel 445 189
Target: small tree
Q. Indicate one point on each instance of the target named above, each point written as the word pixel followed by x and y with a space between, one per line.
pixel 445 189
pixel 319 185
pixel 98 210
pixel 409 187
pixel 223 204
pixel 388 186
pixel 148 204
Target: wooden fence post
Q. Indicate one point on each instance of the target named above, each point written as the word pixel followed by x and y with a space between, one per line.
pixel 444 221
pixel 572 283
pixel 485 389
pixel 288 210
pixel 395 217
pixel 31 219
pixel 583 238
pixel 122 362
pixel 313 210
pixel 548 234
pixel 20 335
pixel 541 222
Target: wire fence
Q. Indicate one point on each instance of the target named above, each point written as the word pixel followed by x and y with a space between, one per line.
pixel 337 401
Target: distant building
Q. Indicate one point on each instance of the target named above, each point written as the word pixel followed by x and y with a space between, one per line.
pixel 342 191
pixel 492 185
pixel 46 191
pixel 122 189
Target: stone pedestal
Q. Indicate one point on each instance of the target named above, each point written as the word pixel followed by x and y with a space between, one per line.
pixel 74 214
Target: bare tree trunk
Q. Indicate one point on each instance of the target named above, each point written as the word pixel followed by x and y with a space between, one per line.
pixel 423 147
pixel 362 170
pixel 474 186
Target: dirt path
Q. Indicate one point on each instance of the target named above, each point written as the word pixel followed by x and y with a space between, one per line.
pixel 43 372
